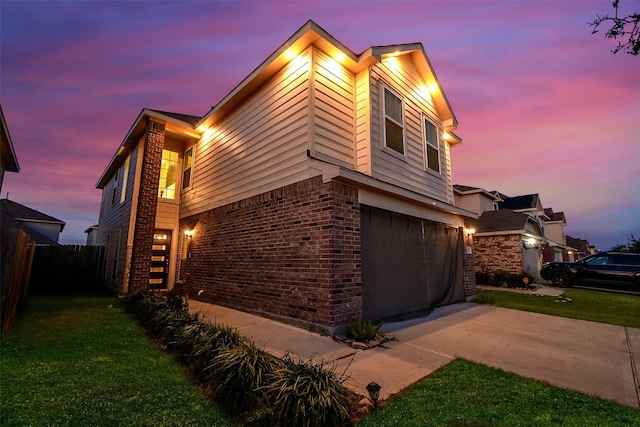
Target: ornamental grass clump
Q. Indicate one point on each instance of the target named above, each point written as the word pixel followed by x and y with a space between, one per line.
pixel 307 393
pixel 243 372
pixel 362 330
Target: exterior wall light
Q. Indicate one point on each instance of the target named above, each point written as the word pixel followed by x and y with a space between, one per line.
pixel 471 231
pixel 189 233
pixel 373 389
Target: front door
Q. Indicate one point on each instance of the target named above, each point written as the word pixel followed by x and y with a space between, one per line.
pixel 160 254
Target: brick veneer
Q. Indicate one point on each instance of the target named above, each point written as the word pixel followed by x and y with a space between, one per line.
pixel 468 259
pixel 498 253
pixel 147 203
pixel 291 253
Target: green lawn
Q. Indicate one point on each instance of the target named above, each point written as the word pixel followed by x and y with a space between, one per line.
pixel 597 306
pixel 80 361
pixel 465 393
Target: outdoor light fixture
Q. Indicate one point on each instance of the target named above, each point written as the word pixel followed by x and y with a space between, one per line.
pixel 471 231
pixel 374 392
pixel 189 233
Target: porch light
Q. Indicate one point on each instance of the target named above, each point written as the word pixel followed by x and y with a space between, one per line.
pixel 290 54
pixel 445 135
pixel 374 392
pixel 471 231
pixel 189 233
pixel 433 87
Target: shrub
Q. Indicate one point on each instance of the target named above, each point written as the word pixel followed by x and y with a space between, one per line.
pixel 243 372
pixel 305 393
pixel 362 330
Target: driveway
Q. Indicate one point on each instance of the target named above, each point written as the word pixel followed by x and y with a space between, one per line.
pixel 593 358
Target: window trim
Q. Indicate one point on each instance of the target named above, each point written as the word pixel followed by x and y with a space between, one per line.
pixel 191 167
pixel 427 144
pixel 402 125
pixel 125 173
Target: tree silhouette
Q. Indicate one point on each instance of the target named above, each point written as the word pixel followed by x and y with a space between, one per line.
pixel 626 30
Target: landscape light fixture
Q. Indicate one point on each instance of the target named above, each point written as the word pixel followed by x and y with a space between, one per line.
pixel 374 392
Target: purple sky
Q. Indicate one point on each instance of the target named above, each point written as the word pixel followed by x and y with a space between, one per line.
pixel 543 105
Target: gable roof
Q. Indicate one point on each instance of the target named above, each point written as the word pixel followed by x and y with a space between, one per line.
pixel 7 153
pixel 311 33
pixel 19 216
pixel 555 216
pixel 505 221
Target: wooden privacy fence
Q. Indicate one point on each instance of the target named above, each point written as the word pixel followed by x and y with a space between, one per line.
pixel 17 252
pixel 68 268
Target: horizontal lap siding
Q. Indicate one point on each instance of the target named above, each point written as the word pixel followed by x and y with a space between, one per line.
pixel 409 173
pixel 259 146
pixel 363 124
pixel 334 110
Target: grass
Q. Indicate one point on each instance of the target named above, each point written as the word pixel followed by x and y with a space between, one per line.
pixel 466 393
pixel 596 306
pixel 83 361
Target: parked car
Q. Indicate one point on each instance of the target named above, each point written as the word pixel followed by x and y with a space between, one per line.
pixel 602 269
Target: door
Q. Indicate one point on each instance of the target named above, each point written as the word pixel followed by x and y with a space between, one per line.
pixel 160 255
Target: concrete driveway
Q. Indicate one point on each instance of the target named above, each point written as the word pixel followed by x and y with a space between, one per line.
pixel 593 358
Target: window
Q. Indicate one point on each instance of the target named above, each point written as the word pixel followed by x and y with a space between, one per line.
pixel 115 187
pixel 125 175
pixel 393 122
pixel 168 172
pixel 187 168
pixel 431 146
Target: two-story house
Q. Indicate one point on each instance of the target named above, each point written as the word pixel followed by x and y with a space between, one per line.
pixel 317 191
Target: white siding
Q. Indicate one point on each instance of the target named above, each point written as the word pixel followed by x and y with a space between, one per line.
pixel 260 146
pixel 334 110
pixel 408 172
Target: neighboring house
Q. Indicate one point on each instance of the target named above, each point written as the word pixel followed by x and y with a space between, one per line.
pixel 92 235
pixel 555 247
pixel 513 234
pixel 41 228
pixel 579 248
pixel 317 191
pixel 8 159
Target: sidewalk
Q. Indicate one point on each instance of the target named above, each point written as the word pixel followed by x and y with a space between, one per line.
pixel 594 358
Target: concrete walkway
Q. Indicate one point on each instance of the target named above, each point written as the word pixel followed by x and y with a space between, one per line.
pixel 594 358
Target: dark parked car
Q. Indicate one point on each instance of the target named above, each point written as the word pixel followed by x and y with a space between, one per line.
pixel 616 269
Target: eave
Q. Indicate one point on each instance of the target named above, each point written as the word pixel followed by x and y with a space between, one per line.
pixel 173 126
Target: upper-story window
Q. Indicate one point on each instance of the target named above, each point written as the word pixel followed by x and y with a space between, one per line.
pixel 115 187
pixel 125 177
pixel 168 175
pixel 187 168
pixel 432 146
pixel 393 122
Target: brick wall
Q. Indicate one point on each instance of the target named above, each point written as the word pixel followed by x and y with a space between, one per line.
pixel 498 253
pixel 468 259
pixel 147 203
pixel 291 253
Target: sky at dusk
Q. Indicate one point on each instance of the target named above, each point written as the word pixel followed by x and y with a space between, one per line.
pixel 543 105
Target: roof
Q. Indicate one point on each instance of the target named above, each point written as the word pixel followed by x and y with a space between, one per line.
pixel 504 220
pixel 179 124
pixel 555 216
pixel 311 33
pixel 464 190
pixel 7 153
pixel 15 215
pixel 528 201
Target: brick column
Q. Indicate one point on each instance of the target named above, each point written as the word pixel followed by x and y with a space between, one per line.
pixel 468 260
pixel 145 219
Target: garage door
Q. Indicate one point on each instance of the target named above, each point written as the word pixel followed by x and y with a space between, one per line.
pixel 409 265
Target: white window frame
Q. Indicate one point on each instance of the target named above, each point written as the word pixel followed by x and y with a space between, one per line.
pixel 401 125
pixel 434 145
pixel 191 167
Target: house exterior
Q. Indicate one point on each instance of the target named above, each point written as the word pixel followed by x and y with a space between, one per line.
pixel 92 235
pixel 43 229
pixel 8 159
pixel 555 247
pixel 317 191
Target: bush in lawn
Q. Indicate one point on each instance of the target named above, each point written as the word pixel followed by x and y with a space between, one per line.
pixel 305 393
pixel 208 343
pixel 242 373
